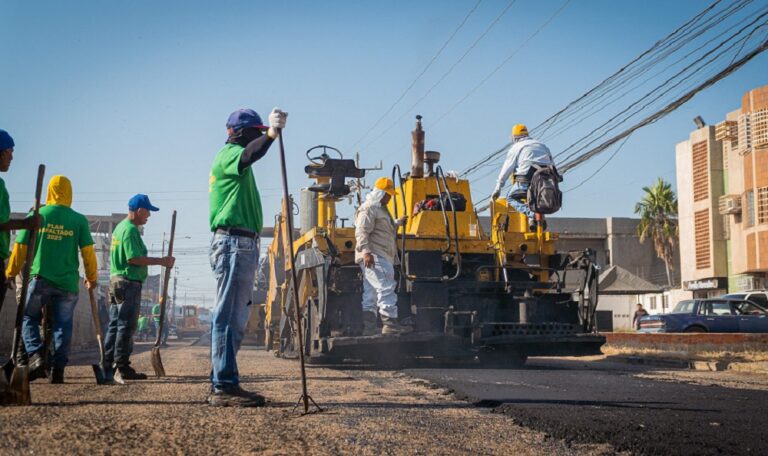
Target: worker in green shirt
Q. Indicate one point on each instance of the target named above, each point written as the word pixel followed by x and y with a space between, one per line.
pixel 6 224
pixel 128 272
pixel 236 221
pixel 156 321
pixel 55 274
pixel 142 325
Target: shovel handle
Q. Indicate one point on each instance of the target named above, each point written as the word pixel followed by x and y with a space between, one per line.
pixel 166 279
pixel 31 250
pixel 95 313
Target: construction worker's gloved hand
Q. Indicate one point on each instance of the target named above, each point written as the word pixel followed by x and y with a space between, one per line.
pixel 495 194
pixel 32 222
pixel 168 261
pixel 90 285
pixel 277 120
pixel 401 221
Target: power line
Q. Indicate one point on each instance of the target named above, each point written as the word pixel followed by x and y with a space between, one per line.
pixel 416 79
pixel 618 149
pixel 445 75
pixel 503 63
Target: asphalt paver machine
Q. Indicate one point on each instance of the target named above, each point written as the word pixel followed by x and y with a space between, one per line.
pixel 495 294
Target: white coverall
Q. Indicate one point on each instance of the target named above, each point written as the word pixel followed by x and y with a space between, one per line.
pixel 375 233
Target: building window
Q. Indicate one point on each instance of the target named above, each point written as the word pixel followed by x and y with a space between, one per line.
pixel 759 120
pixel 701 235
pixel 664 301
pixel 652 302
pixel 700 171
pixel 745 134
pixel 762 205
pixel 749 197
pixel 726 227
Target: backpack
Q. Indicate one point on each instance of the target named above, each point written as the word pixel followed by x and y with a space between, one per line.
pixel 544 195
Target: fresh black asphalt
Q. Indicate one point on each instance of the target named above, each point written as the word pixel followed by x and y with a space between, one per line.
pixel 579 402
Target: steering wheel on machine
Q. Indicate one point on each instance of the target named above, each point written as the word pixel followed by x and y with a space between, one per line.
pixel 319 159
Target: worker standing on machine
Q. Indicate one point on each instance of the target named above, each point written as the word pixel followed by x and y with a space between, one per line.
pixel 524 153
pixel 376 253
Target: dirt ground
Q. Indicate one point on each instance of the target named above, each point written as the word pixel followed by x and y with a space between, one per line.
pixel 365 412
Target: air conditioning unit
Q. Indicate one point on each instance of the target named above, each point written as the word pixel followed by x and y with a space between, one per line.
pixel 729 204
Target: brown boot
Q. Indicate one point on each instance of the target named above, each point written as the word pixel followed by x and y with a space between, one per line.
pixel 393 327
pixel 370 324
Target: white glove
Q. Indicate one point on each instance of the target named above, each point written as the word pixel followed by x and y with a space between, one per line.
pixel 452 175
pixel 277 118
pixel 496 193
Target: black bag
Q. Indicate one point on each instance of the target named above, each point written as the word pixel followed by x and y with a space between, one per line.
pixel 544 195
pixel 459 202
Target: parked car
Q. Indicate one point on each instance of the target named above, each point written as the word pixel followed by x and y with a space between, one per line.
pixel 758 297
pixel 721 315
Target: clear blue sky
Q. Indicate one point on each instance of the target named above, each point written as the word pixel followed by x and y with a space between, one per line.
pixel 127 97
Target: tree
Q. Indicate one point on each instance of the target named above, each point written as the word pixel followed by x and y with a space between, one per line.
pixel 658 221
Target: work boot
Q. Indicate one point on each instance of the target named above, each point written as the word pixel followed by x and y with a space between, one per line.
pixel 57 375
pixel 36 366
pixel 370 324
pixel 393 327
pixel 235 396
pixel 128 373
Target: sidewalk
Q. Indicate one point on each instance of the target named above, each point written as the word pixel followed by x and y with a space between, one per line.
pixel 366 412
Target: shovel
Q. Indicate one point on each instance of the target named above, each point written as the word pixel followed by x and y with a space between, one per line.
pixel 17 390
pixel 102 373
pixel 157 361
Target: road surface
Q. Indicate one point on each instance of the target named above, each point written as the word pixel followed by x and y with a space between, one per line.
pixel 633 409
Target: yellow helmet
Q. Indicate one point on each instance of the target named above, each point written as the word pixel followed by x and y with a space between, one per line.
pixel 519 130
pixel 386 184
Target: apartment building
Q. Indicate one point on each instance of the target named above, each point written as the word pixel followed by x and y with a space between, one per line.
pixel 722 183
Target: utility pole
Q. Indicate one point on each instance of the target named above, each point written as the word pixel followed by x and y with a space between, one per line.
pixel 173 303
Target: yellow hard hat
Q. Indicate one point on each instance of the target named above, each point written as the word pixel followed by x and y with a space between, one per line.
pixel 519 130
pixel 386 184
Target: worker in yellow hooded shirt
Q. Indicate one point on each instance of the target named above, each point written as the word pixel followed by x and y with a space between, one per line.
pixel 55 275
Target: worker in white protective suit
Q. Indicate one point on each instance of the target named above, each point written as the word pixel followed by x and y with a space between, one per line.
pixel 376 253
pixel 524 152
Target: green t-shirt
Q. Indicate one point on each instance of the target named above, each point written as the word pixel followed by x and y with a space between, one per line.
pixel 156 313
pixel 141 324
pixel 5 215
pixel 64 231
pixel 126 245
pixel 234 198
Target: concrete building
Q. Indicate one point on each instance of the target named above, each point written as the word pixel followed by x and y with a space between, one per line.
pixel 722 183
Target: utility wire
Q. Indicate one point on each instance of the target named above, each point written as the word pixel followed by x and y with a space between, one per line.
pixel 416 79
pixel 445 75
pixel 504 62
pixel 661 44
pixel 618 149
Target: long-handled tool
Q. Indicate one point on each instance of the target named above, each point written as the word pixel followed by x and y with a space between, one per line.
pixel 157 362
pixel 102 373
pixel 17 376
pixel 305 397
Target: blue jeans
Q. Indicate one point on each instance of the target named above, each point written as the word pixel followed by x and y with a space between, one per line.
pixel 233 260
pixel 514 199
pixel 61 305
pixel 124 306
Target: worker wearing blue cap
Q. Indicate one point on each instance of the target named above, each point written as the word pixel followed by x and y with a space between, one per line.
pixel 236 221
pixel 6 223
pixel 129 265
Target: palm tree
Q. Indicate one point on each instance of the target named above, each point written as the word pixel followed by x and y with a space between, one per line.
pixel 658 221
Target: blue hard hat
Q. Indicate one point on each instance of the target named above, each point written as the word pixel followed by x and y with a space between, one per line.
pixel 245 118
pixel 6 142
pixel 141 201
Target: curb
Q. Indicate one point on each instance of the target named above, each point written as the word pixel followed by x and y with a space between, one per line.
pixel 697 365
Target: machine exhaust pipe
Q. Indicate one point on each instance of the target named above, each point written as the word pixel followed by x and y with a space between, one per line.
pixel 417 150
